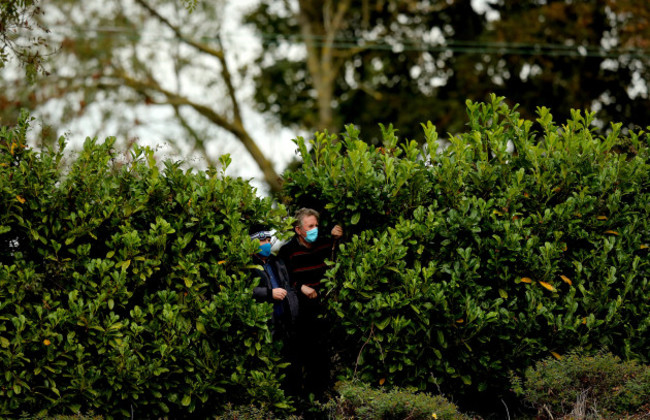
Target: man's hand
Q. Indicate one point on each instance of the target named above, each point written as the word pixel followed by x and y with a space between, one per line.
pixel 308 291
pixel 279 293
pixel 337 231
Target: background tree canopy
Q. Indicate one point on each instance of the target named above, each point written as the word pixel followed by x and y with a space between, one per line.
pixel 410 61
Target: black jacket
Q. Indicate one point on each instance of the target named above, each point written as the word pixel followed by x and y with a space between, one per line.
pixel 264 290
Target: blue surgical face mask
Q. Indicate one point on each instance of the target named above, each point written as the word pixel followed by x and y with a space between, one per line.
pixel 311 235
pixel 265 250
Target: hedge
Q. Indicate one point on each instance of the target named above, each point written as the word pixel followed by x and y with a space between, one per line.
pixel 125 284
pixel 125 289
pixel 470 258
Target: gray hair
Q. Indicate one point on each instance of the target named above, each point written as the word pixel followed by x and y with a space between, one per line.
pixel 302 213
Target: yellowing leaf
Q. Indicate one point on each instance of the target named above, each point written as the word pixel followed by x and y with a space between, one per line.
pixel 611 232
pixel 584 320
pixel 526 280
pixel 497 212
pixel 566 279
pixel 601 217
pixel 556 355
pixel 460 320
pixel 644 246
pixel 20 199
pixel 381 381
pixel 547 286
pixel 221 262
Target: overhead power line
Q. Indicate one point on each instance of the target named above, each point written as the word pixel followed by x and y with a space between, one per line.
pixel 392 44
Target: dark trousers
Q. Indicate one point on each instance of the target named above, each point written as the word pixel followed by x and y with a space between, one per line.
pixel 312 349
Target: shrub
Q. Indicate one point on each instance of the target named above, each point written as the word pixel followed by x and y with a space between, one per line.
pixel 251 412
pixel 89 416
pixel 359 401
pixel 124 287
pixel 600 386
pixel 464 262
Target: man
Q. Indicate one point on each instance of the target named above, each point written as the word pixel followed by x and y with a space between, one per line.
pixel 273 286
pixel 306 252
pixel 305 256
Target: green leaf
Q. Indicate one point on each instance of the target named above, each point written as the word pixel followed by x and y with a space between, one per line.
pixel 383 324
pixel 355 218
pixel 186 400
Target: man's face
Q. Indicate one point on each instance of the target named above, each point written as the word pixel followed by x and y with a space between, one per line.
pixel 265 241
pixel 308 223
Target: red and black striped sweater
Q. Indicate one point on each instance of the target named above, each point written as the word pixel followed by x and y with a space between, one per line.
pixel 307 265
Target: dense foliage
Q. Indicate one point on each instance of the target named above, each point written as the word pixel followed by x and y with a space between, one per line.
pixel 405 62
pixel 125 291
pixel 463 265
pixel 599 386
pixel 359 401
pixel 124 288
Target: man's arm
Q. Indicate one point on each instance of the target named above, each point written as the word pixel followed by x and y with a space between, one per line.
pixel 261 294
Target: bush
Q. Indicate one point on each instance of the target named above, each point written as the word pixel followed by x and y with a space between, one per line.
pixel 89 416
pixel 359 401
pixel 124 287
pixel 251 412
pixel 600 386
pixel 465 262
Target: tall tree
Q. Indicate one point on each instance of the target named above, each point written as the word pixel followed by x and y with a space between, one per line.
pixel 587 54
pixel 363 61
pixel 121 59
pixel 405 62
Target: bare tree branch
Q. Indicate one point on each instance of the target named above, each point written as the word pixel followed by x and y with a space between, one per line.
pixel 234 127
pixel 227 78
pixel 199 141
pixel 200 47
